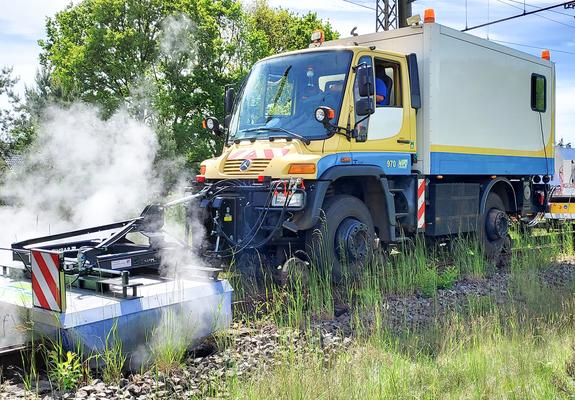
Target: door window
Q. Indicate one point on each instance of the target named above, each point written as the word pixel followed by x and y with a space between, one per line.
pixel 363 126
pixel 387 83
pixel 387 120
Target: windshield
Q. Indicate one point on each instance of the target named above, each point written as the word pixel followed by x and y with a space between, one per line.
pixel 281 94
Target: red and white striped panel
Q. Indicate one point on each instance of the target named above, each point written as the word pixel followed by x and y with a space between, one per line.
pixel 420 203
pixel 250 154
pixel 48 289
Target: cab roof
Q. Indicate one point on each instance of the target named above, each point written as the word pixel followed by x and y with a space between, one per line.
pixel 354 48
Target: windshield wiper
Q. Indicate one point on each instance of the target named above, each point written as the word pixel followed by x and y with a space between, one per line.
pixel 289 134
pixel 250 138
pixel 280 90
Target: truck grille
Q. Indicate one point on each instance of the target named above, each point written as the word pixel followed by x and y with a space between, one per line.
pixel 258 165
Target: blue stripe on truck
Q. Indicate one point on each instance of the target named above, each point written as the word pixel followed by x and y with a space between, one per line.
pixel 482 164
pixel 390 163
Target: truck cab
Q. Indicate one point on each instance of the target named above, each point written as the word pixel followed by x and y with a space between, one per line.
pixel 273 123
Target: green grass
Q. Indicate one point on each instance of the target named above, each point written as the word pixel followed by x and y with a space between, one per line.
pixel 522 349
pixel 112 359
pixel 170 341
pixel 484 364
pixel 414 267
pixel 483 349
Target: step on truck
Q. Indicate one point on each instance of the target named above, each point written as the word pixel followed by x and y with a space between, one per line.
pixel 376 139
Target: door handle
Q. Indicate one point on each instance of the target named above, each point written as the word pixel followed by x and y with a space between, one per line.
pixel 404 141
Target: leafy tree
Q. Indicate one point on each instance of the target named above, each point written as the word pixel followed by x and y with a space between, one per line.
pixel 167 61
pixel 11 115
pixel 276 30
pixel 37 97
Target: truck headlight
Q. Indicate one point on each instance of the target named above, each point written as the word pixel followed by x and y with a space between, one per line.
pixel 295 200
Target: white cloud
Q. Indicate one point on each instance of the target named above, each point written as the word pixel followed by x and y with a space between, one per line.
pixel 27 17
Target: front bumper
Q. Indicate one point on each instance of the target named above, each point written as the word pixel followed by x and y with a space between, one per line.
pixel 243 214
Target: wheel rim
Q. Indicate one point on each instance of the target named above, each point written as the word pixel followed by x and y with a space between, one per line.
pixel 496 224
pixel 352 240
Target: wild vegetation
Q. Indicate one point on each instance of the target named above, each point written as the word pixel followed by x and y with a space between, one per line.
pixel 518 344
pixel 520 348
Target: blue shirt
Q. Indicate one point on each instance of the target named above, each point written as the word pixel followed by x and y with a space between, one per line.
pixel 381 90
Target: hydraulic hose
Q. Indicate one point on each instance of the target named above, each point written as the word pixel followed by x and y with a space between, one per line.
pixel 247 243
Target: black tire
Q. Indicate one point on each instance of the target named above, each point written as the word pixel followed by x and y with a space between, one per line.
pixel 506 253
pixel 343 216
pixel 494 229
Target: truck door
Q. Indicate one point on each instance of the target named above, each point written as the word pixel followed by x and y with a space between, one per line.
pixel 389 128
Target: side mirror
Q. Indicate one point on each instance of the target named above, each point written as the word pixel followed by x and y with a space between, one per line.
pixel 212 124
pixel 324 115
pixel 414 81
pixel 364 107
pixel 229 100
pixel 365 81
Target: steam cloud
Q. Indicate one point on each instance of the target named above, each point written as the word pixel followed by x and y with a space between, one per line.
pixel 81 171
pixel 84 171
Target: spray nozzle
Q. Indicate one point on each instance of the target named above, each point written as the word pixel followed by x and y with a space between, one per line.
pixel 153 218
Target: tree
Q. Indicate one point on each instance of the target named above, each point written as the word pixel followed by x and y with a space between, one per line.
pixel 37 98
pixel 167 61
pixel 11 116
pixel 276 30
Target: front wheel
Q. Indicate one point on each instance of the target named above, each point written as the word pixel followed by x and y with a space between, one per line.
pixel 344 237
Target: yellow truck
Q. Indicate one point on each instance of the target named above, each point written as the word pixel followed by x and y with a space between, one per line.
pixel 375 139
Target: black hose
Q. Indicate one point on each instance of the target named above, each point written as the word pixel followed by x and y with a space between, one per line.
pixel 253 232
pixel 257 226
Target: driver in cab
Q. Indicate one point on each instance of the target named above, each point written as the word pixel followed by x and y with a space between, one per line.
pixel 381 97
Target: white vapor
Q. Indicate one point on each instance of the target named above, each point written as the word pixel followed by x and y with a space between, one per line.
pixel 80 171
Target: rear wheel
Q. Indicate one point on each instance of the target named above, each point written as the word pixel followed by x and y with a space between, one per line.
pixel 344 238
pixel 495 230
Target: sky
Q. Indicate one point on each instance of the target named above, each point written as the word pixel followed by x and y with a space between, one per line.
pixel 22 23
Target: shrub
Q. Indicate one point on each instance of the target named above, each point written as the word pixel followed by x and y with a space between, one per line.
pixel 64 369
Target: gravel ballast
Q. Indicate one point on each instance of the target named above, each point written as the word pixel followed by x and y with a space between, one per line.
pixel 242 351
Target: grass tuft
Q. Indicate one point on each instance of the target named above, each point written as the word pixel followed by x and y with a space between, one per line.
pixel 522 348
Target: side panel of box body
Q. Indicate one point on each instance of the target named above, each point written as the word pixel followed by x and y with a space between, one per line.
pixel 479 115
pixel 476 116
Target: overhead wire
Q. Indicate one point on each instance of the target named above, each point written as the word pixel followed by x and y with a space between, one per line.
pixel 537 15
pixel 525 13
pixel 534 47
pixel 359 4
pixel 537 7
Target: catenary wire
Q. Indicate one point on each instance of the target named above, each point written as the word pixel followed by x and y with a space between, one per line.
pixel 533 47
pixel 359 4
pixel 537 7
pixel 537 15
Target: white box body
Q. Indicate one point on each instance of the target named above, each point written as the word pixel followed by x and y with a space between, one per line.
pixel 475 116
